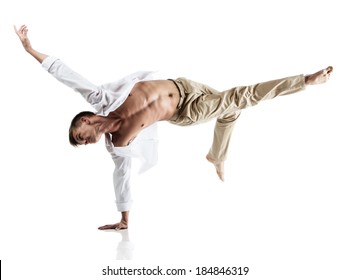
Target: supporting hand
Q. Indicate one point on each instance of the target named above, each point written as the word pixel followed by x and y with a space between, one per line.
pixel 122 225
pixel 116 226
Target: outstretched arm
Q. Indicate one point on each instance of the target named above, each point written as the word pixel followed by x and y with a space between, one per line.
pixel 22 33
pixel 93 94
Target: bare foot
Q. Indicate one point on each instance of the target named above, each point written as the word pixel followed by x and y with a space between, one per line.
pixel 219 165
pixel 319 77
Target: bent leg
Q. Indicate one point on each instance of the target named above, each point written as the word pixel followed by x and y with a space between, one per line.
pixel 221 139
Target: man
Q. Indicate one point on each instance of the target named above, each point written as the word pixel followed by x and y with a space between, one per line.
pixel 127 111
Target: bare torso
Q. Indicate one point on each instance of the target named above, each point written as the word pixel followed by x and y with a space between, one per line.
pixel 147 103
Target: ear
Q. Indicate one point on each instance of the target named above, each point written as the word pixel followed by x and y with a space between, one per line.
pixel 85 120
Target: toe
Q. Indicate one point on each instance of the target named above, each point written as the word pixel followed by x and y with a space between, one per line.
pixel 221 176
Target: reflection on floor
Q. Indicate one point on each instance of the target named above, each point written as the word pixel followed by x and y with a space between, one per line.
pixel 124 250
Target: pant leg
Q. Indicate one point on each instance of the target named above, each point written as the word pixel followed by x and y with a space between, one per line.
pixel 242 97
pixel 202 103
pixel 236 99
pixel 221 137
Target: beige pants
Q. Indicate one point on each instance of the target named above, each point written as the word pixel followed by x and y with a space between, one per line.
pixel 199 103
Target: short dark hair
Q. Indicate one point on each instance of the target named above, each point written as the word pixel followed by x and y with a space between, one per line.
pixel 76 123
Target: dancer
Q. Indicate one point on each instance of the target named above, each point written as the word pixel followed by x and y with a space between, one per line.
pixel 126 113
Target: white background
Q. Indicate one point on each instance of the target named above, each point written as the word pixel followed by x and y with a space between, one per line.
pixel 283 210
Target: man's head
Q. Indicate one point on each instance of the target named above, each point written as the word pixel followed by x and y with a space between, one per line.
pixel 83 130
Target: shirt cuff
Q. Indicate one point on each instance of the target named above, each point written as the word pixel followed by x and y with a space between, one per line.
pixel 48 61
pixel 123 206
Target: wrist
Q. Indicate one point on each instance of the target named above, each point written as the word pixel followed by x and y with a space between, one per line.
pixel 29 49
pixel 124 218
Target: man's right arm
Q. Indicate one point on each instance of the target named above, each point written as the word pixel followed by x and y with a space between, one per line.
pixel 96 96
pixel 22 34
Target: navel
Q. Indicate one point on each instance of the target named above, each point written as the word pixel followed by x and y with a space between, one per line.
pixel 142 125
pixel 170 95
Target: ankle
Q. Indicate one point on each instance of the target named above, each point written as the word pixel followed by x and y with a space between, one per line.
pixel 214 161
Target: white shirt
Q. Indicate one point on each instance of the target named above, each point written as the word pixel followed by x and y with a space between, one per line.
pixel 105 99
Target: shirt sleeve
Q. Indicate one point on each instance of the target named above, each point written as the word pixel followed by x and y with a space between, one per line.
pixel 93 94
pixel 104 98
pixel 121 179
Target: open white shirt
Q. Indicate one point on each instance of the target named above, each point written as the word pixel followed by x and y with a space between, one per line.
pixel 105 99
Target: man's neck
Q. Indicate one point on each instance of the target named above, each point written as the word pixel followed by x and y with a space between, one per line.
pixel 108 124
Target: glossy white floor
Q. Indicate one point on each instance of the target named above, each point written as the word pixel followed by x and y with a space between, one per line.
pixel 283 209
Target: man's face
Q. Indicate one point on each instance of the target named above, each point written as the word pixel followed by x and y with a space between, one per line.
pixel 85 134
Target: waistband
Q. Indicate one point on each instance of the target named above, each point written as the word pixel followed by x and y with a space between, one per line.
pixel 180 88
